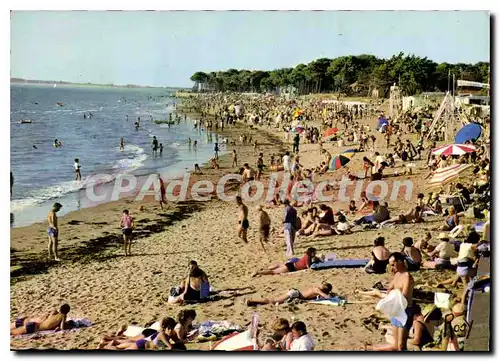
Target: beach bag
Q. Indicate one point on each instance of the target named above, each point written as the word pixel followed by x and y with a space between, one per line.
pixel 393 306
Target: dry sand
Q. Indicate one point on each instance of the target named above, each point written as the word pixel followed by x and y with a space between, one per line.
pixel 112 290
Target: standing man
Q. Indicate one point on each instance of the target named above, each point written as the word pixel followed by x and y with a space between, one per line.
pixel 11 183
pixel 289 225
pixel 402 281
pixel 243 219
pixel 296 141
pixel 287 162
pixel 122 145
pixel 216 151
pixel 264 225
pixel 127 225
pixel 78 175
pixel 154 145
pixel 53 231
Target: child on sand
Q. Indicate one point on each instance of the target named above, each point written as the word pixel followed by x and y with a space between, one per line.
pixel 127 224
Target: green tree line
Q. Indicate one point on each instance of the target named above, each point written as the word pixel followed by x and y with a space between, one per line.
pixel 352 75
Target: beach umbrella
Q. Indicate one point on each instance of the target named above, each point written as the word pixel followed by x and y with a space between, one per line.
pixel 454 149
pixel 352 150
pixel 298 129
pixel 471 131
pixel 444 175
pixel 340 160
pixel 330 132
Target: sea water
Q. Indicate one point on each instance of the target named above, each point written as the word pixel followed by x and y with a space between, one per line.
pixel 44 174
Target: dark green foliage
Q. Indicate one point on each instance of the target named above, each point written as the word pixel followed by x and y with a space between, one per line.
pixel 353 75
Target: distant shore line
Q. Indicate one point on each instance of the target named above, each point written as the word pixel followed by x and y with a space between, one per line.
pixel 58 82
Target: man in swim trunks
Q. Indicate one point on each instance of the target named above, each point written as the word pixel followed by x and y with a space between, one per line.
pixel 53 231
pixel 127 225
pixel 310 293
pixel 243 219
pixel 264 225
pixel 248 174
pixel 78 175
pixel 54 320
pixel 402 281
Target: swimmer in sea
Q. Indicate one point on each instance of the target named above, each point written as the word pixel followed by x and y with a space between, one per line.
pixel 154 145
pixel 122 146
pixel 161 149
pixel 195 144
pixel 57 143
pixel 243 223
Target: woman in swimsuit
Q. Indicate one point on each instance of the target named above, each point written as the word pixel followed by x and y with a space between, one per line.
pixel 380 257
pixel 412 254
pixel 192 287
pixel 451 221
pixel 302 264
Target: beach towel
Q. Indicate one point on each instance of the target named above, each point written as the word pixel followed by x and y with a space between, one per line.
pixel 79 324
pixel 341 263
pixel 332 301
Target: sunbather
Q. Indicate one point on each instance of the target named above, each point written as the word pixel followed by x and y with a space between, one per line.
pixel 282 336
pixel 451 221
pixel 302 264
pixel 380 257
pixel 413 256
pixel 166 338
pixel 442 254
pixel 185 320
pixel 191 287
pixel 309 293
pixel 55 320
pixel 414 215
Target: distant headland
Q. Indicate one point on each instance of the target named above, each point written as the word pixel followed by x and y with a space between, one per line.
pixel 59 82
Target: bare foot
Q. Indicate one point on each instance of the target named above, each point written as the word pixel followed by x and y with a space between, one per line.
pixel 57 259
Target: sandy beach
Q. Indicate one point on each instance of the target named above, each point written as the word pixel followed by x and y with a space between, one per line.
pixel 112 290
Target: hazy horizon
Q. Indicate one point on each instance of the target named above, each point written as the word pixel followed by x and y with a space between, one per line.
pixel 164 48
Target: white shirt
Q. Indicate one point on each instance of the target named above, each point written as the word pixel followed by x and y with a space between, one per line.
pixel 77 166
pixel 303 343
pixel 286 162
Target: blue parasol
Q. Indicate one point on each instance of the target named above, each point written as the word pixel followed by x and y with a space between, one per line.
pixel 471 131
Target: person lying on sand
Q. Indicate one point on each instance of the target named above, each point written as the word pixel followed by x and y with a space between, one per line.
pixel 55 320
pixel 166 338
pixel 302 264
pixel 414 215
pixel 309 293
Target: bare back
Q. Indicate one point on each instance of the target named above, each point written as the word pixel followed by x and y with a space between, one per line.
pixel 403 281
pixel 52 219
pixel 53 321
pixel 243 212
pixel 264 218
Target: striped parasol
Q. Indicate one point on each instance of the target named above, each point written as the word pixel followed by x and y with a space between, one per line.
pixel 298 129
pixel 340 160
pixel 454 149
pixel 444 175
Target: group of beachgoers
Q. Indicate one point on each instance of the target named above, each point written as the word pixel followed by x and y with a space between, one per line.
pixel 316 220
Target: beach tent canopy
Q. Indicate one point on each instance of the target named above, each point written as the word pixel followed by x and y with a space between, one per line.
pixel 444 175
pixel 471 131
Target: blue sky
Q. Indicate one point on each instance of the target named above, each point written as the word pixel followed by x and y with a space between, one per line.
pixel 166 48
